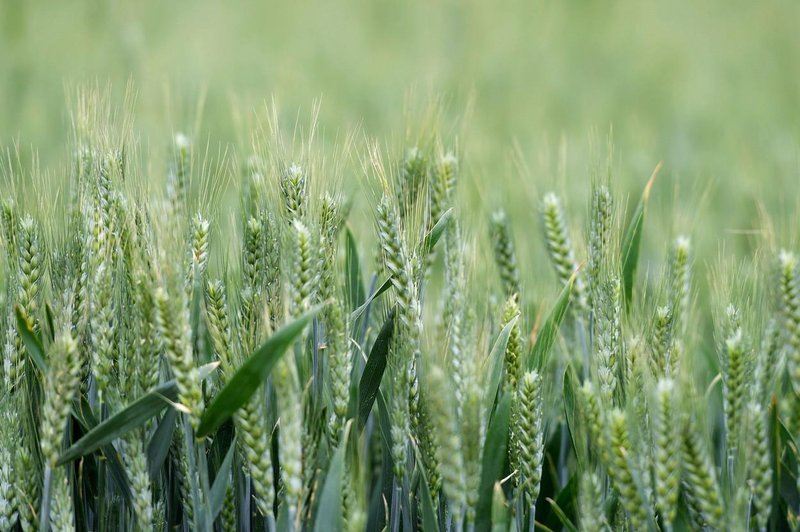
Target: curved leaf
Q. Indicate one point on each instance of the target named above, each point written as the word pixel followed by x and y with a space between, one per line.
pixel 632 240
pixel 547 335
pixel 31 340
pixel 373 371
pixel 251 374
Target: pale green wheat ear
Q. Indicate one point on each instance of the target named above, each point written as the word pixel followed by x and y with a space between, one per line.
pixel 527 440
pixel 559 246
pixel 294 188
pixel 666 454
pixel 623 474
pixel 760 467
pixel 699 480
pixel 789 288
pixel 513 354
pixel 505 254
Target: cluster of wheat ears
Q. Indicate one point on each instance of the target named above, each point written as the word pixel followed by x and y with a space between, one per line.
pixel 147 385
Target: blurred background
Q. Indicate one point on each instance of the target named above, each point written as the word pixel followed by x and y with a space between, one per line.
pixel 709 88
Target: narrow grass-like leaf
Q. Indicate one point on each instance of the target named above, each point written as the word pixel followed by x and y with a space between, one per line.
pixel 130 417
pixel 220 486
pixel 576 430
pixel 31 340
pixel 547 335
pixel 83 414
pixel 387 284
pixel 354 281
pixel 374 369
pixel 134 415
pixel 632 240
pixel 496 359
pixel 329 511
pixel 493 462
pixel 436 232
pixel 562 516
pixel 251 374
pixel 158 446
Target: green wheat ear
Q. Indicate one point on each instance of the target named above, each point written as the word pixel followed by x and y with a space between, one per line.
pixel 505 255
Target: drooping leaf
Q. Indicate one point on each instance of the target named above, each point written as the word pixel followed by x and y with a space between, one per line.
pixel 493 461
pixel 83 414
pixel 387 284
pixel 134 415
pixel 251 374
pixel 374 369
pixel 31 340
pixel 220 486
pixel 130 417
pixel 632 240
pixel 549 331
pixel 562 516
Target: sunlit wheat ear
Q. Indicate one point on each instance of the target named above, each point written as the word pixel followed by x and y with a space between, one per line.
pixel 607 336
pixel 528 437
pixel 513 354
pixel 62 514
pixel 61 387
pixel 662 341
pixel 789 287
pixel 199 250
pixel 680 281
pixel 698 479
pixel 600 227
pixel 736 372
pixel 769 363
pixel 505 255
pixel 666 453
pixel 410 181
pixel 621 470
pixel 304 269
pixel 294 189
pixel 290 411
pixel 559 246
pixel 443 184
pixel 590 504
pixel 218 323
pixel 178 176
pixel 8 443
pixel 30 270
pixel 251 425
pixel 760 469
pixel 595 418
pixel 449 443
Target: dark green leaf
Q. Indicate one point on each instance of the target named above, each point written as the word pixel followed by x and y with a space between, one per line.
pixel 251 374
pixel 354 282
pixel 220 485
pixel 82 412
pixel 632 240
pixel 134 415
pixel 31 340
pixel 547 335
pixel 387 284
pixel 158 447
pixel 130 417
pixel 373 371
pixel 568 524
pixel 494 459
